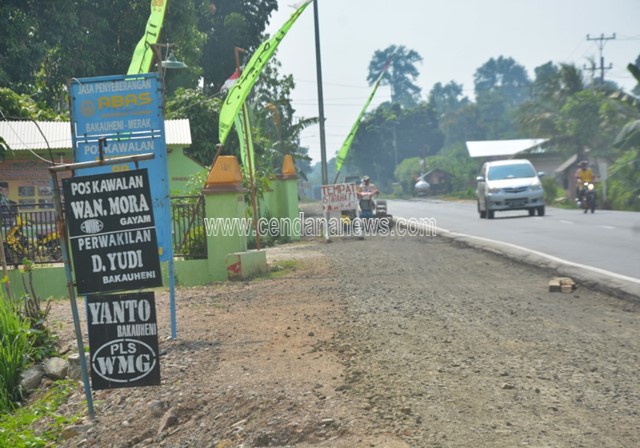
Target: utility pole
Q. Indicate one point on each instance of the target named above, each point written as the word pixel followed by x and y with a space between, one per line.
pixel 601 41
pixel 323 145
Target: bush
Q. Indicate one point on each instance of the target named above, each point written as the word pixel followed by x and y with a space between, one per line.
pixel 15 345
pixel 18 429
pixel 551 190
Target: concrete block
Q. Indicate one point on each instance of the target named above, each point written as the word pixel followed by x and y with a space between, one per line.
pixel 241 265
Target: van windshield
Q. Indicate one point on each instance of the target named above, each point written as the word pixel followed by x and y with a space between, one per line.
pixel 516 171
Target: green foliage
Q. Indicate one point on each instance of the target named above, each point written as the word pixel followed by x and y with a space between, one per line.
pixel 15 344
pixel 447 99
pixel 203 113
pixel 45 342
pixel 406 174
pixel 455 161
pixel 44 44
pixel 400 75
pixel 390 134
pixel 14 106
pixel 503 76
pixel 229 24
pixel 195 243
pixel 624 181
pixel 283 268
pixel 17 428
pixel 552 191
pixel 275 131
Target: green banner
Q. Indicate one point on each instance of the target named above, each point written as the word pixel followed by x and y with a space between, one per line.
pixel 342 154
pixel 246 142
pixel 239 92
pixel 143 54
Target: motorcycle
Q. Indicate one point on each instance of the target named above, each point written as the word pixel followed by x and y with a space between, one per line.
pixel 587 199
pixel 17 246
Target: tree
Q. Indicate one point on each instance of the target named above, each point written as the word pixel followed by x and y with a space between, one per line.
pixel 44 44
pixel 447 99
pixel 203 113
pixel 500 86
pixel 390 134
pixel 235 23
pixel 552 88
pixel 463 125
pixel 400 75
pixel 636 74
pixel 504 76
pixel 625 172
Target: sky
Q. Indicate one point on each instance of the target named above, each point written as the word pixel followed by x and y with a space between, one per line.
pixel 454 38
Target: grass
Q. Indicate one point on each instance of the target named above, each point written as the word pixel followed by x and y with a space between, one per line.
pixel 283 268
pixel 15 345
pixel 17 429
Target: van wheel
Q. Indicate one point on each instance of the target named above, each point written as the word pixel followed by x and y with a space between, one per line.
pixel 490 214
pixel 532 211
pixel 541 211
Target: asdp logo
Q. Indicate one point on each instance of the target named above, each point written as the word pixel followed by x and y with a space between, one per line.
pixel 88 108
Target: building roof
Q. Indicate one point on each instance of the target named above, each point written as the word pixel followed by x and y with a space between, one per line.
pixel 492 148
pixel 25 135
pixel 567 163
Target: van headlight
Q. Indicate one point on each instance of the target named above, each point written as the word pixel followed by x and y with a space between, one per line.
pixel 536 187
pixel 495 190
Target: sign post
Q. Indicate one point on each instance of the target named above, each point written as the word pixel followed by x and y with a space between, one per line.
pixel 335 199
pixel 124 115
pixel 123 338
pixel 112 232
pixel 64 245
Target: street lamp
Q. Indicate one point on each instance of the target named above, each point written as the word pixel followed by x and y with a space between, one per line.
pixel 172 62
pixel 169 62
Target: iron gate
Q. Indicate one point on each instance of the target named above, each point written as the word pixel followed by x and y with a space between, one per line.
pixel 187 227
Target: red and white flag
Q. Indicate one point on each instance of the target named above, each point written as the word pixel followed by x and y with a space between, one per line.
pixel 231 81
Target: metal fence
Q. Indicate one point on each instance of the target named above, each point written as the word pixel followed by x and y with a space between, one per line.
pixel 187 226
pixel 32 234
pixel 29 233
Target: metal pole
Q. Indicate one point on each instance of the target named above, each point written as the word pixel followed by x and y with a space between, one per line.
pixel 323 146
pixel 245 122
pixel 172 298
pixel 251 182
pixel 62 235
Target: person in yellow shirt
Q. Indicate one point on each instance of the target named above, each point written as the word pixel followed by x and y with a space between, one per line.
pixel 583 174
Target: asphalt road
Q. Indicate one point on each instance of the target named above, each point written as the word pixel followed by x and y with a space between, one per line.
pixel 606 240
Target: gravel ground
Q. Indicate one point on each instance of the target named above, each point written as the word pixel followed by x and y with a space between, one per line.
pixel 386 342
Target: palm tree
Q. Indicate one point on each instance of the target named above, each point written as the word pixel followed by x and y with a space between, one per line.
pixel 553 87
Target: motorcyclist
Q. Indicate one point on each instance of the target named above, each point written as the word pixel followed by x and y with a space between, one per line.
pixel 367 187
pixel 583 174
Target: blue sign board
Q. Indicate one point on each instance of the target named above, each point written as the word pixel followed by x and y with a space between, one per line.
pixel 126 113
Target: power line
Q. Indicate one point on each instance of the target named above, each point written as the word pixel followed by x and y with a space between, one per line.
pixel 601 41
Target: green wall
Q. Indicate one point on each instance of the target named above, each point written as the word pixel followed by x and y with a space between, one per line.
pixel 181 170
pixel 52 281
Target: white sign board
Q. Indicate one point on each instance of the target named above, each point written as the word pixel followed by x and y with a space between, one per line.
pixel 338 197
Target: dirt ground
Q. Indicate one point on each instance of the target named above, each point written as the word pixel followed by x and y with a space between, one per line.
pixel 386 342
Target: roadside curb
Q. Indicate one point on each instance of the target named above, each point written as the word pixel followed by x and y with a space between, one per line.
pixel 623 287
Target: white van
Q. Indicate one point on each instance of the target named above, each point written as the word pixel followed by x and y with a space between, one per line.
pixel 509 185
